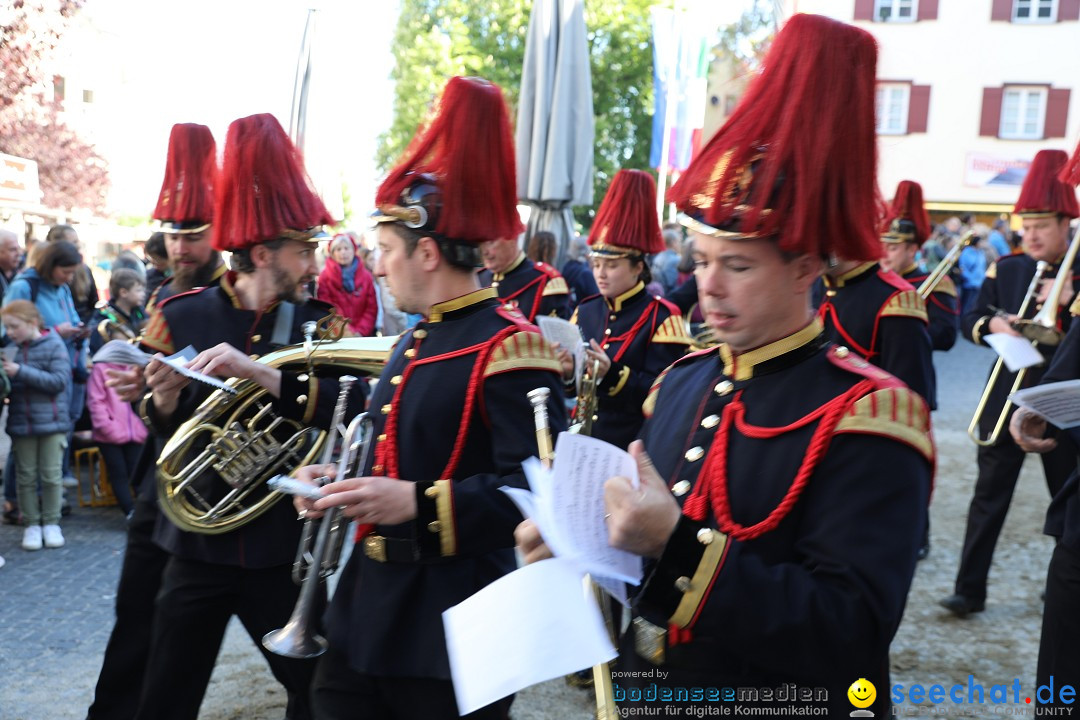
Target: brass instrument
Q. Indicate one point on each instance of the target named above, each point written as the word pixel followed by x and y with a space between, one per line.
pixel 305 553
pixel 927 286
pixel 212 472
pixel 1043 327
pixel 297 639
pixel 111 330
pixel 995 434
pixel 605 693
pixel 585 410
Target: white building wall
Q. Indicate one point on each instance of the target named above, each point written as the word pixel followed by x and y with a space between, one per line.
pixel 957 55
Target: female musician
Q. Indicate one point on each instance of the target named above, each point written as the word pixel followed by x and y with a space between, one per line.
pixel 632 336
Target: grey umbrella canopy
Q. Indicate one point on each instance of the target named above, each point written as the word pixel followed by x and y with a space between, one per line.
pixel 555 125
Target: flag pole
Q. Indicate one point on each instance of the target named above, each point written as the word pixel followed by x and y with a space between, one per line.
pixel 670 107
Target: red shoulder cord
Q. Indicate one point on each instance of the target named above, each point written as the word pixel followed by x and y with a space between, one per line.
pixel 712 491
pixel 827 309
pixel 628 337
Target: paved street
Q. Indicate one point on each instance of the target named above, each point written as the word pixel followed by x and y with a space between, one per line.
pixel 58 603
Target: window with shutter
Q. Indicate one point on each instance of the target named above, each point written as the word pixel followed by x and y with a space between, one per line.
pixel 1034 11
pixel 1023 113
pixel 896 10
pixel 891 104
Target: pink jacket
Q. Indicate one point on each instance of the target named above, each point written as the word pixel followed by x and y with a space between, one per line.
pixel 113 419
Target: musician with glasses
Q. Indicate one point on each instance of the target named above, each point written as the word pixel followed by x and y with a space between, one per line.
pixel 632 335
pixel 453 423
pixel 1046 206
pixel 776 551
pixel 905 230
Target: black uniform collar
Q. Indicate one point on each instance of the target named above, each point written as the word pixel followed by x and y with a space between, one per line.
pixel 452 309
pixel 777 355
pixel 851 276
pixel 513 266
pixel 617 303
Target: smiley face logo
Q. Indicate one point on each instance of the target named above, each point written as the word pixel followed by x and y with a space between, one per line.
pixel 862 693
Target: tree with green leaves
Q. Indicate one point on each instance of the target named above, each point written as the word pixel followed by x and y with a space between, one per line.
pixel 437 39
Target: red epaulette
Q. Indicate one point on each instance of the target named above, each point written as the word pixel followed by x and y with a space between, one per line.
pixel 672 307
pixel 515 317
pixel 847 360
pixel 546 269
pixel 894 279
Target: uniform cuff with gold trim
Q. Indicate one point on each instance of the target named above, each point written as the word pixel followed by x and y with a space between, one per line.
pixel 435 528
pixel 681 580
pixel 299 396
pixel 615 379
pixel 977 332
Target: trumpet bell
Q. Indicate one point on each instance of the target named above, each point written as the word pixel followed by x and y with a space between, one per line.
pixel 294 641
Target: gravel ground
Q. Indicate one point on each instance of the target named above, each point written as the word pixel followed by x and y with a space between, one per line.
pixel 931 646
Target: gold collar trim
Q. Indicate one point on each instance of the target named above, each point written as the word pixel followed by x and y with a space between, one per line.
pixel 497 277
pixel 617 303
pixel 850 275
pixel 740 366
pixel 438 310
pixel 909 269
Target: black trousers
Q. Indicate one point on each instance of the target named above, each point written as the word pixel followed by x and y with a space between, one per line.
pixel 1059 645
pixel 999 468
pixel 120 464
pixel 120 682
pixel 194 606
pixel 340 693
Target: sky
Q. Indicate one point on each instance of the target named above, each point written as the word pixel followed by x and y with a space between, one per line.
pixel 156 62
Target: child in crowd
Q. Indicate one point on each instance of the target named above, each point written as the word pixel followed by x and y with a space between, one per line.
pixel 124 311
pixel 38 419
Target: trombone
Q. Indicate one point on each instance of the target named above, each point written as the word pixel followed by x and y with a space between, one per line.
pixel 927 286
pixel 1003 416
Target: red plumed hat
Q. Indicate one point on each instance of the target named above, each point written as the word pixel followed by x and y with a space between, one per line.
pixel 186 201
pixel 908 221
pixel 263 192
pixel 626 223
pixel 798 156
pixel 1070 174
pixel 1044 194
pixel 457 181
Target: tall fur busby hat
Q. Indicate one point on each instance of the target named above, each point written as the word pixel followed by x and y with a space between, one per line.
pixel 798 157
pixel 264 192
pixel 626 223
pixel 1044 193
pixel 186 202
pixel 907 221
pixel 456 182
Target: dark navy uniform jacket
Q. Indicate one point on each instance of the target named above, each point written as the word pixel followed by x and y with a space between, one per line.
pixel 642 335
pixel 1006 283
pixel 771 584
pixel 942 308
pixel 204 318
pixel 879 316
pixel 167 288
pixel 452 416
pixel 534 288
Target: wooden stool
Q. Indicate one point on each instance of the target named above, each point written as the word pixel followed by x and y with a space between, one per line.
pixel 101 492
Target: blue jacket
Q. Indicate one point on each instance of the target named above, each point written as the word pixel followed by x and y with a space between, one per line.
pixel 41 390
pixel 55 305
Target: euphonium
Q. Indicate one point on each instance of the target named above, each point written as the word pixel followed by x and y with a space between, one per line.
pixel 927 286
pixel 298 639
pixel 212 472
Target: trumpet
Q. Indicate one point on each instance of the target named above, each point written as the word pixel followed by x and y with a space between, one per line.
pixel 585 410
pixel 1003 416
pixel 605 693
pixel 1043 327
pixel 927 286
pixel 298 639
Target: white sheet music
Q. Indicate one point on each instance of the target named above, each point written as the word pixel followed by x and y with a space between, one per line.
pixel 1058 403
pixel 178 362
pixel 1017 352
pixel 532 625
pixel 122 353
pixel 568 336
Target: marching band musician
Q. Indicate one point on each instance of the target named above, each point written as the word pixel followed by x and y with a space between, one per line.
pixel 452 422
pixel 880 317
pixel 185 209
pixel 631 334
pixel 1046 206
pixel 260 305
pixel 534 288
pixel 775 552
pixel 906 229
pixel 186 218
